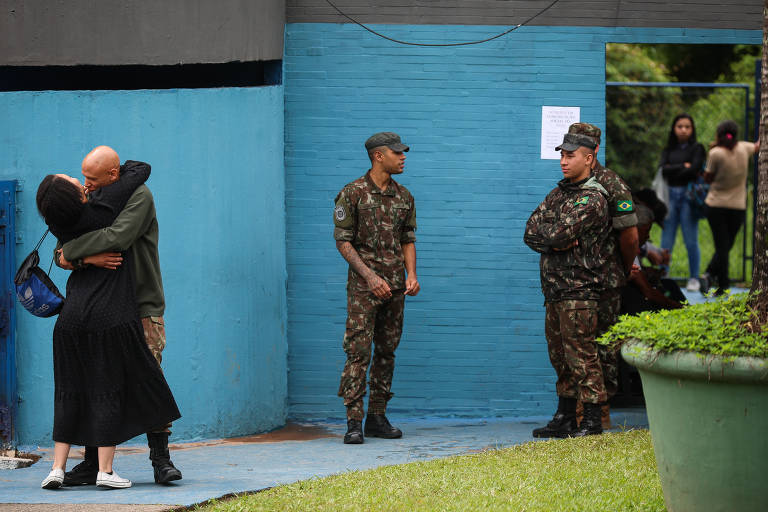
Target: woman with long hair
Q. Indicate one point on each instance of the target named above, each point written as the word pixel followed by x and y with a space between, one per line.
pixel 681 161
pixel 727 198
pixel 108 386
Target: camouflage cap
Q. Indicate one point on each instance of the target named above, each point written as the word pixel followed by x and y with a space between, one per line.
pixel 587 129
pixel 572 141
pixel 389 139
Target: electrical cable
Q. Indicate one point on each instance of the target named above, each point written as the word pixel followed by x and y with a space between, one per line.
pixel 443 44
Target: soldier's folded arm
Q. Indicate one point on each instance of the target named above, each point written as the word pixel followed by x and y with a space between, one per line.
pixel 533 236
pixel 582 218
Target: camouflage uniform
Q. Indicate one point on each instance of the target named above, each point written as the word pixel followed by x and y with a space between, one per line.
pixel 623 216
pixel 622 210
pixel 572 281
pixel 376 223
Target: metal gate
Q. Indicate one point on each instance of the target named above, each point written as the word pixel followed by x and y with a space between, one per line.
pixel 749 110
pixel 8 397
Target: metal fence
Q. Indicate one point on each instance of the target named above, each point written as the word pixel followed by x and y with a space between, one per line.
pixel 638 121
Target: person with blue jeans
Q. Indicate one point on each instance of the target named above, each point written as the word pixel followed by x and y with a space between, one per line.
pixel 681 162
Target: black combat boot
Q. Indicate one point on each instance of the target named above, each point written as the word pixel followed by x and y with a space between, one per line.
pixel 563 422
pixel 165 471
pixel 377 425
pixel 591 424
pixel 85 472
pixel 354 433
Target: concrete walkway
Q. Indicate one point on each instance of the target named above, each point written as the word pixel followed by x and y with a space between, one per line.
pixel 297 452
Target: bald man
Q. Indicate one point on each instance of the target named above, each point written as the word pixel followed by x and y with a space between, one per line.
pixel 135 229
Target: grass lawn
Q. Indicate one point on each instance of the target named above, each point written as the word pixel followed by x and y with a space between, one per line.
pixel 613 472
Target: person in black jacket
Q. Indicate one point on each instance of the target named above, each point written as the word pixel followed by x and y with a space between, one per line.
pixel 681 162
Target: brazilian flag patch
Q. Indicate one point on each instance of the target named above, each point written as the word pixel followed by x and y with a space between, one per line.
pixel 624 206
pixel 581 202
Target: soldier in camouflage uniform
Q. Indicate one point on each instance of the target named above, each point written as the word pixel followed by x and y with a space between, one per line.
pixel 571 229
pixel 375 221
pixel 620 255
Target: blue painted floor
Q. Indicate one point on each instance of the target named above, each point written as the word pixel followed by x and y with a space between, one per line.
pixel 219 467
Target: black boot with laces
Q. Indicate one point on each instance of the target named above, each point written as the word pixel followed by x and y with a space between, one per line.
pixel 377 425
pixel 562 423
pixel 354 433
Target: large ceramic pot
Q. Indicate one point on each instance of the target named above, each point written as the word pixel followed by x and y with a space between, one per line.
pixel 709 426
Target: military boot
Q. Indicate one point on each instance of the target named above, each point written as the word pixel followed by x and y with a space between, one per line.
pixel 591 424
pixel 165 471
pixel 354 433
pixel 563 422
pixel 85 472
pixel 377 425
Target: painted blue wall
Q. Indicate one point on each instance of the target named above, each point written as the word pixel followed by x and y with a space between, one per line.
pixel 474 340
pixel 218 182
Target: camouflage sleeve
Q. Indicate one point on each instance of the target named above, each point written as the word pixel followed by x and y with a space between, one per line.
pixel 619 197
pixel 408 236
pixel 343 218
pixel 582 214
pixel 538 222
pixel 622 208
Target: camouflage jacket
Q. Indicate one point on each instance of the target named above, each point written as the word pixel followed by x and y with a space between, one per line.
pixel 377 223
pixel 572 212
pixel 623 216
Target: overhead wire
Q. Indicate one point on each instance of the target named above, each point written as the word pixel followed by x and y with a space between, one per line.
pixel 410 43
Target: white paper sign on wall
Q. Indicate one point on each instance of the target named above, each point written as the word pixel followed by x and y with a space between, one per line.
pixel 554 124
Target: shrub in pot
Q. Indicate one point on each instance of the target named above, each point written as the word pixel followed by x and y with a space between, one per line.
pixel 704 370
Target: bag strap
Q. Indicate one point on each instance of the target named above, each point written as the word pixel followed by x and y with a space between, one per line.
pixel 39 243
pixel 42 238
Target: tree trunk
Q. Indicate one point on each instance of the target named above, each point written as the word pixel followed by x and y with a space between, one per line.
pixel 760 252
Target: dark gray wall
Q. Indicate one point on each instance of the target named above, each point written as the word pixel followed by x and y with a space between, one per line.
pixel 155 32
pixel 723 14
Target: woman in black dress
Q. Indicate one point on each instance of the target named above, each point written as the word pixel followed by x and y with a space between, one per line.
pixel 108 386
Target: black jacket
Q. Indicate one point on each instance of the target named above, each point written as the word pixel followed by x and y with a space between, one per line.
pixel 672 160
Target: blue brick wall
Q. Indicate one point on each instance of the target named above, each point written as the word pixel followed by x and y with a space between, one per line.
pixel 473 342
pixel 217 179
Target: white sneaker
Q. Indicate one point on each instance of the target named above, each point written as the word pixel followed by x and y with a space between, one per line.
pixel 114 480
pixel 54 480
pixel 693 285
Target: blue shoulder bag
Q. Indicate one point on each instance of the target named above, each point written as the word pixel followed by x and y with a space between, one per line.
pixel 34 289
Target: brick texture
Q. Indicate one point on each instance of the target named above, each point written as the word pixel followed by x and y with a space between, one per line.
pixel 473 341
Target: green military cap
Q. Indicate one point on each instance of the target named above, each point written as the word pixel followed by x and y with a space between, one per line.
pixel 389 139
pixel 572 141
pixel 587 129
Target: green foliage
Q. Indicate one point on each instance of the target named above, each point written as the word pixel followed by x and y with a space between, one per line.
pixel 637 118
pixel 608 473
pixel 711 328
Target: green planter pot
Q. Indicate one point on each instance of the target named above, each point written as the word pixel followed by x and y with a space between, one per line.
pixel 709 426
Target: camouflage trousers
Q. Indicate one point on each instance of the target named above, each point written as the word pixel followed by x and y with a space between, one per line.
pixel 570 328
pixel 154 335
pixel 607 315
pixel 377 322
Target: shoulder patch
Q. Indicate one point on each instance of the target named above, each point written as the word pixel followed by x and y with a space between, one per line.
pixel 340 213
pixel 581 202
pixel 624 206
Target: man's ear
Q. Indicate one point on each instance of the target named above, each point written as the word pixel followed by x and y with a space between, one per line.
pixel 114 174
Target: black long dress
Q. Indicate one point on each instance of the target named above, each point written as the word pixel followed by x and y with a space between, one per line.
pixel 109 387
